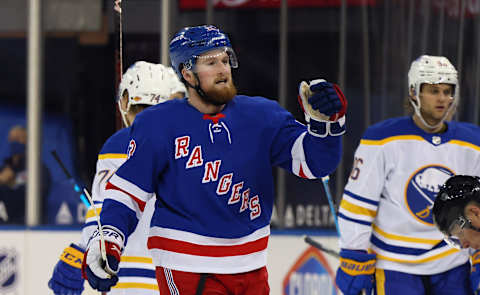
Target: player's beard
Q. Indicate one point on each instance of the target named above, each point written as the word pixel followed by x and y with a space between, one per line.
pixel 221 96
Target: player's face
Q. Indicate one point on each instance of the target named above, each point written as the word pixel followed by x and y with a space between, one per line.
pixel 215 76
pixel 435 100
pixel 471 239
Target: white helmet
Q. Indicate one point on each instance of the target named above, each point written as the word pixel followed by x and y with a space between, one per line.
pixel 148 84
pixel 432 70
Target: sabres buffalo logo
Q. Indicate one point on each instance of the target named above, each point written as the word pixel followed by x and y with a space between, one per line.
pixel 422 188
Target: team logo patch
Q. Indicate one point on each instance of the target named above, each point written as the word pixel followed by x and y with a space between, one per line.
pixel 8 270
pixel 132 146
pixel 421 190
pixel 311 274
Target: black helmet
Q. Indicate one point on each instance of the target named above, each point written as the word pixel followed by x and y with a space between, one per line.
pixel 452 198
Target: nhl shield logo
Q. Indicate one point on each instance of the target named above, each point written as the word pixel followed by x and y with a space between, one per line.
pixel 310 275
pixel 8 270
pixel 421 190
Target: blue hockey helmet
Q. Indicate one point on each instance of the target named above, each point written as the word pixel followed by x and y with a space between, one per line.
pixel 190 42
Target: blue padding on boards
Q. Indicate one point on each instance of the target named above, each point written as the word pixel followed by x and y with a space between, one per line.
pixel 61 205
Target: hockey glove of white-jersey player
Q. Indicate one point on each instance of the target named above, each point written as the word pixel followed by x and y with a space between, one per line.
pixel 324 106
pixel 355 272
pixel 101 274
pixel 475 274
pixel 67 274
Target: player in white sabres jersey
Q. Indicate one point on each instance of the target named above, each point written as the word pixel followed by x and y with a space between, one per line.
pixel 143 84
pixel 210 169
pixel 386 209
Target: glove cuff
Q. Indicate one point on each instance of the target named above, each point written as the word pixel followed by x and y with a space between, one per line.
pixel 356 263
pixel 323 129
pixel 77 247
pixel 338 128
pixel 110 234
pixel 317 128
pixel 73 256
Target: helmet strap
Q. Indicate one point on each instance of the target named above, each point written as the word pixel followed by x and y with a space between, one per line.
pixel 418 106
pixel 197 88
pixel 123 113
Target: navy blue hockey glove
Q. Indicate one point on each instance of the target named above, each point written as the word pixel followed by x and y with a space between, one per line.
pixel 67 275
pixel 324 106
pixel 475 274
pixel 101 274
pixel 355 272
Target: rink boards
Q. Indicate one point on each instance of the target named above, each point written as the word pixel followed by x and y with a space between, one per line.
pixel 27 258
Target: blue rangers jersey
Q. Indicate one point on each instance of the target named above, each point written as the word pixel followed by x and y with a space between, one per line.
pixel 387 204
pixel 137 273
pixel 212 177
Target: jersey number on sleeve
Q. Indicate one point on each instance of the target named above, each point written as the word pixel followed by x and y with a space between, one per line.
pixel 106 175
pixel 356 168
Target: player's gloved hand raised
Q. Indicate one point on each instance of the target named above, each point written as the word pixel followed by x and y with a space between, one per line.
pixel 475 274
pixel 355 272
pixel 324 106
pixel 101 274
pixel 67 275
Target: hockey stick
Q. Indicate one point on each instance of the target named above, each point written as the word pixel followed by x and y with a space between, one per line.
pixel 103 250
pixel 119 44
pixel 88 201
pixel 325 180
pixel 76 187
pixel 118 28
pixel 332 252
pixel 320 247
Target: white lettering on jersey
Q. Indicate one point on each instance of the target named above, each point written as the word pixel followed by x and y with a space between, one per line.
pixel 255 209
pixel 235 196
pixel 224 184
pixel 211 171
pixel 245 196
pixel 181 146
pixel 196 158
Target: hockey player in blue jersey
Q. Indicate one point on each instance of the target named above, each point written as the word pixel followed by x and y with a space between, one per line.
pixel 208 161
pixel 144 84
pixel 385 216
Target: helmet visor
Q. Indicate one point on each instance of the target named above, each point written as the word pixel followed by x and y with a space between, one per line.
pixel 217 56
pixel 455 232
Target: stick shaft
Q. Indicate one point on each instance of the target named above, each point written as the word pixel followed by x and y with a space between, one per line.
pixel 330 202
pixel 55 155
pixel 102 238
pixel 69 176
pixel 320 247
